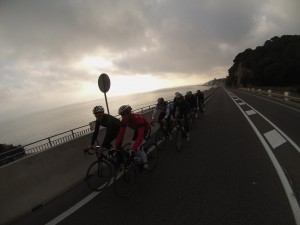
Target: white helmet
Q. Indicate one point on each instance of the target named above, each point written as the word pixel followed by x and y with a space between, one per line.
pixel 98 109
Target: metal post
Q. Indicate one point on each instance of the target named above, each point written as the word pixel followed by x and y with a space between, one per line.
pixel 106 103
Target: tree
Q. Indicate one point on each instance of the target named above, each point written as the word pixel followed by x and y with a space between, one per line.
pixel 277 62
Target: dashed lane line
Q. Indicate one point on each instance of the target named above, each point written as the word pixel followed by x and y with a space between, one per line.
pixel 250 112
pixel 274 138
pixel 286 185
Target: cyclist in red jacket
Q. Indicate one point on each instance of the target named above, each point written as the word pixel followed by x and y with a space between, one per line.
pixel 141 129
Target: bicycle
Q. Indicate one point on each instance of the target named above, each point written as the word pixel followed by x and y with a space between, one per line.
pixel 180 134
pixel 100 173
pixel 160 135
pixel 125 179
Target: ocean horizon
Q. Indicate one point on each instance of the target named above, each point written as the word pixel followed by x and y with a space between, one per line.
pixel 39 125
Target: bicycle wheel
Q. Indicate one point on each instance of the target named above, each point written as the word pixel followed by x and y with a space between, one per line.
pixel 152 156
pixel 160 139
pixel 125 180
pixel 99 175
pixel 179 139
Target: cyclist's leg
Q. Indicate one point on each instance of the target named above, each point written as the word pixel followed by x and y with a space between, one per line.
pixel 160 118
pixel 178 118
pixel 186 125
pixel 168 123
pixel 141 151
pixel 201 105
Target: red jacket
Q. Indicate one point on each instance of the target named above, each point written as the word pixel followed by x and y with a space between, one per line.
pixel 136 122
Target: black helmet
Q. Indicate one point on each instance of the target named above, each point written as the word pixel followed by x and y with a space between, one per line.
pixel 178 95
pixel 160 100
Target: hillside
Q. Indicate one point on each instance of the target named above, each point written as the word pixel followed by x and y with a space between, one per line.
pixel 276 63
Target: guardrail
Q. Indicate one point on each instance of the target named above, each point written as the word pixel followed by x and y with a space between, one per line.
pixel 285 95
pixel 49 142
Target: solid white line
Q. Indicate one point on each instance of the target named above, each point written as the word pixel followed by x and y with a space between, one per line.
pixel 273 101
pixel 280 131
pixel 75 207
pixel 286 185
pixel 81 203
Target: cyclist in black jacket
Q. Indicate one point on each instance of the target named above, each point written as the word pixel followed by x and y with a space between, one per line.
pixel 200 100
pixel 111 123
pixel 184 109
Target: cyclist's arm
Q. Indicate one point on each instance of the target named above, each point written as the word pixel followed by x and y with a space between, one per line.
pixel 174 109
pixel 139 139
pixel 120 136
pixel 154 113
pixel 168 111
pixel 95 134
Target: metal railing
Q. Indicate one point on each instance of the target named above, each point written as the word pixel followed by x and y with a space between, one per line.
pixel 285 95
pixel 49 142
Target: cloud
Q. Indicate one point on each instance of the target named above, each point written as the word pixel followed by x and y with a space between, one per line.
pixel 46 46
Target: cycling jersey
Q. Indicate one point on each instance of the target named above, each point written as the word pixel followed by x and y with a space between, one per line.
pixel 112 125
pixel 164 107
pixel 183 107
pixel 192 100
pixel 139 124
pixel 200 98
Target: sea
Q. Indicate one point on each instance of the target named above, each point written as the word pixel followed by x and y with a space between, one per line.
pixel 40 125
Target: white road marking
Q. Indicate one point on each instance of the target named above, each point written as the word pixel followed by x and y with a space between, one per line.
pixel 241 103
pixel 250 112
pixel 273 102
pixel 274 138
pixel 74 208
pixel 286 185
pixel 280 131
pixel 77 206
pixel 81 203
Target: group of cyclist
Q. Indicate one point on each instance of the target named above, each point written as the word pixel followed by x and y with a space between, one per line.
pixel 115 128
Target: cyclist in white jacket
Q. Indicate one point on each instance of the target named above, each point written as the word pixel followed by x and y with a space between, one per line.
pixel 165 109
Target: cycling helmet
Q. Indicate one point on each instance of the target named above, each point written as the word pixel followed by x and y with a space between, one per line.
pixel 98 109
pixel 176 93
pixel 160 100
pixel 125 109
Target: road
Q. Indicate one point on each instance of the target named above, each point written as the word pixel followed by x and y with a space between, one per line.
pixel 241 166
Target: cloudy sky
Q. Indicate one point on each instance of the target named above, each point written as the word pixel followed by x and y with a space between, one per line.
pixel 53 51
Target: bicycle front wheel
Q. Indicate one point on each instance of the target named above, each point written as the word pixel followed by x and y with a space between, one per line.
pixel 125 180
pixel 179 139
pixel 160 139
pixel 99 175
pixel 152 156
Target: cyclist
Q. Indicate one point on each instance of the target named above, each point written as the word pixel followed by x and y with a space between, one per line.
pixel 165 113
pixel 111 123
pixel 141 129
pixel 183 110
pixel 200 100
pixel 192 100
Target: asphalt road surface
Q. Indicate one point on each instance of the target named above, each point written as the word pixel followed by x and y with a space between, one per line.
pixel 241 166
